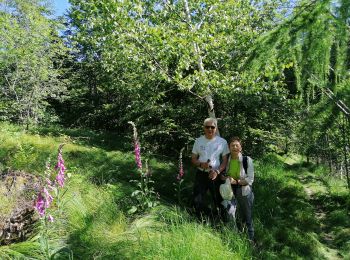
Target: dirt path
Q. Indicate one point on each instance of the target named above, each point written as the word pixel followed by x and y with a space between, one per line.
pixel 314 188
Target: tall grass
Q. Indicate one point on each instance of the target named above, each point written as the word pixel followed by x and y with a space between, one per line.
pixel 92 220
pixel 24 250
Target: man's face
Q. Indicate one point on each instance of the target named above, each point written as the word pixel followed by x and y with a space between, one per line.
pixel 235 147
pixel 209 130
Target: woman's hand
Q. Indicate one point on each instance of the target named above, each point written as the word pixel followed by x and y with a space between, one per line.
pixel 232 180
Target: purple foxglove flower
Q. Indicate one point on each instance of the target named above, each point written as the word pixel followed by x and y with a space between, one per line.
pixel 40 205
pixel 138 155
pixel 60 178
pixel 181 170
pixel 48 198
pixel 49 184
pixel 180 175
pixel 137 149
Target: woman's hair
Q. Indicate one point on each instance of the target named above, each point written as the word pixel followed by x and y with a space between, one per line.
pixel 235 138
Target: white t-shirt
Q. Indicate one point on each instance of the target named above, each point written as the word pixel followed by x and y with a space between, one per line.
pixel 211 149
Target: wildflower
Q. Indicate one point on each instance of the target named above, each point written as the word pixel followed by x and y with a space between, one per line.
pixel 60 179
pixel 181 170
pixel 43 201
pixel 49 184
pixel 137 148
pixel 48 198
pixel 138 155
pixel 40 205
pixel 145 196
pixel 44 198
pixel 61 168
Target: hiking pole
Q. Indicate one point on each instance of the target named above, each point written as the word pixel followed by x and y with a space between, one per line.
pixel 214 188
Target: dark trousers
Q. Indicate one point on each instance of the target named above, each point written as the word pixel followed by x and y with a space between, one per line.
pixel 245 210
pixel 202 184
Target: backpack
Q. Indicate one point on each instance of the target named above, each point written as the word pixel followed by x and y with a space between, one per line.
pixel 245 163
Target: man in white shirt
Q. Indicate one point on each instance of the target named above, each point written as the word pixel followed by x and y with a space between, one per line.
pixel 209 155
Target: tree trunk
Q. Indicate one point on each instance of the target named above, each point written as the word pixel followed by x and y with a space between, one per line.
pixel 346 147
pixel 208 98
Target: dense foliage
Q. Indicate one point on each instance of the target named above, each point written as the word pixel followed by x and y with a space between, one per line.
pixel 276 71
pixel 31 62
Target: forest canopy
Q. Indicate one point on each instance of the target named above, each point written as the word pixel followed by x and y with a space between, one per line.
pixel 275 73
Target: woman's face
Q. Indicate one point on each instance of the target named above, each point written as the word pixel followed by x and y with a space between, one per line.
pixel 235 147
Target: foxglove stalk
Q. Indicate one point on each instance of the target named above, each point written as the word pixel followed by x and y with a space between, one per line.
pixel 145 196
pixel 137 148
pixel 44 198
pixel 138 155
pixel 40 205
pixel 60 178
pixel 48 198
pixel 49 184
pixel 181 170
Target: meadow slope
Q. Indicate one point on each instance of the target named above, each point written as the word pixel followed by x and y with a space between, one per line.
pixel 300 210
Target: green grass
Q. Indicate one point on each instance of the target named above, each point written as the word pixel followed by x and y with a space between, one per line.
pixel 24 250
pixel 92 219
pixel 287 225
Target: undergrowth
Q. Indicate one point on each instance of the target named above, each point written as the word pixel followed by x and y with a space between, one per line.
pixel 94 222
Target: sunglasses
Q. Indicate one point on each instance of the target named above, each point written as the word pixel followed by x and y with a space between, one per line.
pixel 209 126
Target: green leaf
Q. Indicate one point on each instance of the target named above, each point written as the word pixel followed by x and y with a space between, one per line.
pixel 132 210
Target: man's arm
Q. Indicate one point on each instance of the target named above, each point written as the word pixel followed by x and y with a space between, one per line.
pixel 195 161
pixel 215 173
pixel 223 164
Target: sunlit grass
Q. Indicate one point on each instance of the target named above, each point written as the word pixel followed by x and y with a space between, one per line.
pixel 92 219
pixel 24 250
pixel 288 222
pixel 291 159
pixel 169 233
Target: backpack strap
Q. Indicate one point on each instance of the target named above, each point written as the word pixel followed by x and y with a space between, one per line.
pixel 245 163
